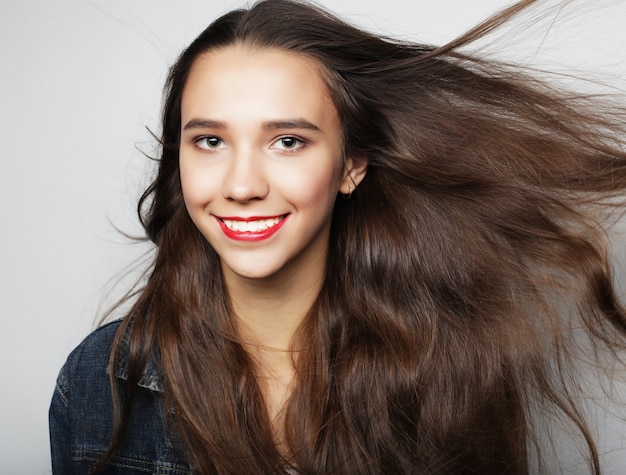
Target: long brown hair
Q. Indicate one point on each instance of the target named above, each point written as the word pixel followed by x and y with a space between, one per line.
pixel 456 273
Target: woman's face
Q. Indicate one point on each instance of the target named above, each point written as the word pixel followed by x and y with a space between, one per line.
pixel 261 160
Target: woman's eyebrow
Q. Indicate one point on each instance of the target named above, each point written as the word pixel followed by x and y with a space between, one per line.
pixel 204 124
pixel 290 124
pixel 268 125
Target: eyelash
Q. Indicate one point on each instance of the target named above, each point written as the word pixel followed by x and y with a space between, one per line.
pixel 299 143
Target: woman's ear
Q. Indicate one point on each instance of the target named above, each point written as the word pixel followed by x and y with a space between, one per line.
pixel 353 172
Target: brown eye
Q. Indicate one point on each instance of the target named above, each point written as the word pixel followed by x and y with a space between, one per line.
pixel 289 143
pixel 208 143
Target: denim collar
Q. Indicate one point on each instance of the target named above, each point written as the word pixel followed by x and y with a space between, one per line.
pixel 151 377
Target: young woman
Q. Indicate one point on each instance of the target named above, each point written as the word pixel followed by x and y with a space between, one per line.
pixel 372 257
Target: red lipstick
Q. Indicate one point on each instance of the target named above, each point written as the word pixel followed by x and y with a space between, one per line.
pixel 253 234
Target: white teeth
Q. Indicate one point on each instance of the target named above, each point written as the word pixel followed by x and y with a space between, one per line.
pixel 250 226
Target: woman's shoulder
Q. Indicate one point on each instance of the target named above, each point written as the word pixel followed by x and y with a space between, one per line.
pixel 87 364
pixel 82 413
pixel 98 341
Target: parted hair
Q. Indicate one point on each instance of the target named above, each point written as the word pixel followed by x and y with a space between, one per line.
pixel 460 276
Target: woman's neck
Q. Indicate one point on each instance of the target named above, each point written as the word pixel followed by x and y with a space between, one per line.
pixel 269 311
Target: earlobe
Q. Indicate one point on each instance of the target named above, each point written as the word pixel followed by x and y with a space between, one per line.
pixel 354 172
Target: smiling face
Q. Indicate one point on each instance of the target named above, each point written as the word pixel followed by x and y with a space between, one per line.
pixel 261 160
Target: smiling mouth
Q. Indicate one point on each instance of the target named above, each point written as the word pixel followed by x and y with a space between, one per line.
pixel 251 229
pixel 251 226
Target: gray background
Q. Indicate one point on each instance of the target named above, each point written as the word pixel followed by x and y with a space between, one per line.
pixel 81 80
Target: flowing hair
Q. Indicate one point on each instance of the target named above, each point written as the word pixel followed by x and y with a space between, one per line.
pixel 461 275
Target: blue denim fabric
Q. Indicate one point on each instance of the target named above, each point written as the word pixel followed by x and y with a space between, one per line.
pixel 81 416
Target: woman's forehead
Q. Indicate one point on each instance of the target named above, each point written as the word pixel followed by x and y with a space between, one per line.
pixel 263 82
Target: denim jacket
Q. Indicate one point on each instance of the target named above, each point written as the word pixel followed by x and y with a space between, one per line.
pixel 81 416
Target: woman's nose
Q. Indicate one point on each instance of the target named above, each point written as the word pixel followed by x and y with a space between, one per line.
pixel 245 178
